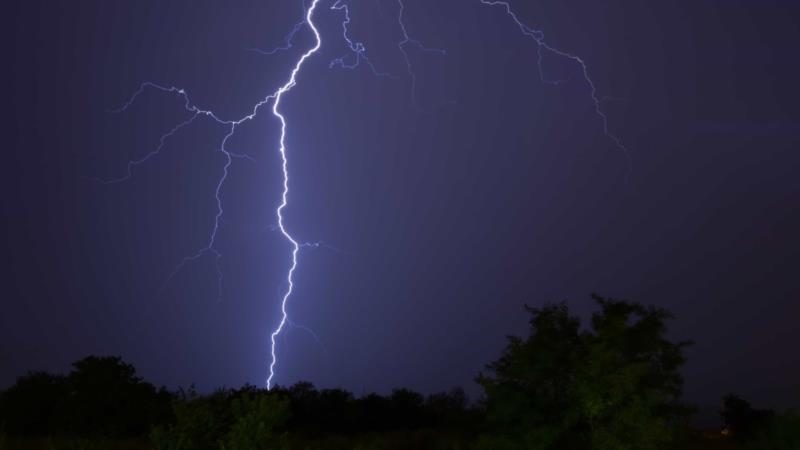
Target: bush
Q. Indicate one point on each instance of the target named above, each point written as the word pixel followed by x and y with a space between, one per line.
pixel 780 433
pixel 257 420
pixel 614 386
pixel 34 405
pixel 248 419
pixel 101 397
pixel 76 444
pixel 200 422
pixel 741 420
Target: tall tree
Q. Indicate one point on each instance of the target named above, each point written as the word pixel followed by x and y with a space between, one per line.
pixel 614 386
pixel 107 398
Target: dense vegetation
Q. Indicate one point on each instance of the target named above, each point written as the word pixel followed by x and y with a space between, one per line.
pixel 614 385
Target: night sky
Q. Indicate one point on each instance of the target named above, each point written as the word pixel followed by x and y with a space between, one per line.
pixel 444 209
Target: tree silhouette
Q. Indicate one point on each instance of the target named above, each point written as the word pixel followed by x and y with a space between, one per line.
pixel 614 386
pixel 107 398
pixel 34 404
pixel 741 420
pixel 101 396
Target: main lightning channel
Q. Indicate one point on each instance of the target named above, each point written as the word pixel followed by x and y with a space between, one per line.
pixel 359 55
pixel 278 95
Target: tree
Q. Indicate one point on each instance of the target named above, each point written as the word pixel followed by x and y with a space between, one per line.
pixel 244 419
pixel 257 420
pixel 107 398
pixel 32 406
pixel 448 409
pixel 741 420
pixel 200 422
pixel 613 386
pixel 100 396
pixel 780 432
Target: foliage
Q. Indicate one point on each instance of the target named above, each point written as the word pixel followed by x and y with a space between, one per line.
pixel 502 442
pixel 200 422
pixel 101 396
pixel 781 432
pixel 108 399
pixel 335 411
pixel 760 429
pixel 247 419
pixel 257 421
pixel 34 404
pixel 741 420
pixel 102 400
pixel 77 444
pixel 614 386
pixel 3 437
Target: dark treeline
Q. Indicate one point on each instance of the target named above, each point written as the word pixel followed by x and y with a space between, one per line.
pixel 612 385
pixel 103 398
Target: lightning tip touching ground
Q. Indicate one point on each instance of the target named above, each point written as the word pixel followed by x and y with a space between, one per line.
pixel 278 95
pixel 357 56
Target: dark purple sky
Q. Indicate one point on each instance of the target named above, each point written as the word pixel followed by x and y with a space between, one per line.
pixel 493 191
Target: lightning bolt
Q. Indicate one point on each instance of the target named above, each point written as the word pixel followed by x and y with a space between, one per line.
pixel 288 40
pixel 231 125
pixel 194 112
pixel 408 40
pixel 357 48
pixel 542 46
pixel 278 95
pixel 354 60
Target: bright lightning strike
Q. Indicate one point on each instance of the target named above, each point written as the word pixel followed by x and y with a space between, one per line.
pixel 278 95
pixel 232 125
pixel 358 50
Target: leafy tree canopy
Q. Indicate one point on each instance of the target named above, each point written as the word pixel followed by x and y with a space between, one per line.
pixel 614 385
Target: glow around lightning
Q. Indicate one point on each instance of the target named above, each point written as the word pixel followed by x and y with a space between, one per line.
pixel 196 112
pixel 284 196
pixel 351 62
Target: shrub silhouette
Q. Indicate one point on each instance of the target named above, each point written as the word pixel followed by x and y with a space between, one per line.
pixel 780 432
pixel 101 396
pixel 245 419
pixel 34 405
pixel 740 419
pixel 200 422
pixel 612 385
pixel 107 398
